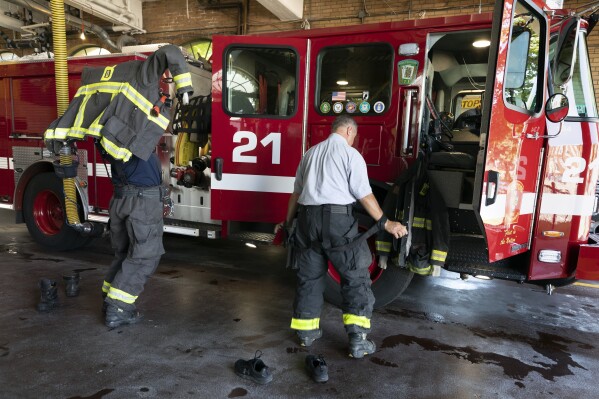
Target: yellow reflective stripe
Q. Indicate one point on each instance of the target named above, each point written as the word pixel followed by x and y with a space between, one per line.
pixel 49 134
pixel 182 80
pixel 59 133
pixel 122 296
pixel 418 222
pixel 144 105
pixel 438 255
pixel 383 246
pixel 77 132
pixel 105 87
pixel 429 224
pixel 115 151
pixel 361 321
pixel 305 324
pixel 81 111
pixel 423 271
pixel 106 286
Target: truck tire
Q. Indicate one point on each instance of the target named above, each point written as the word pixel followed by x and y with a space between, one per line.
pixel 387 284
pixel 45 215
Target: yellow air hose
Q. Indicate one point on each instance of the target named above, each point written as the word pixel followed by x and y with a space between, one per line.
pixel 62 101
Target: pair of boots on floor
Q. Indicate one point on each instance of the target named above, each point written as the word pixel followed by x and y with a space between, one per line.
pixel 359 346
pixel 49 291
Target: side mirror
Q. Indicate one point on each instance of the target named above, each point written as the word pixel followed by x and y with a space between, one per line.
pixel 557 107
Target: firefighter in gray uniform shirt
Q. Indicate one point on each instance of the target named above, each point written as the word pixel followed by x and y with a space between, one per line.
pixel 330 178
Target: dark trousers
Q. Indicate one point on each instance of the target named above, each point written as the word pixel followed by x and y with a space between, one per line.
pixel 316 233
pixel 136 235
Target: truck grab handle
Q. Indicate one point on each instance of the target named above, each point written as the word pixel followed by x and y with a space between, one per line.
pixel 218 168
pixel 492 184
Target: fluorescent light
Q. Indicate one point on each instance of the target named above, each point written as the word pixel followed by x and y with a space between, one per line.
pixel 342 82
pixel 483 277
pixel 481 43
pixel 249 244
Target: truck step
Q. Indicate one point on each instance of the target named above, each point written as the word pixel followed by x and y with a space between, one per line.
pixel 195 229
pixel 593 238
pixel 468 254
pixel 252 237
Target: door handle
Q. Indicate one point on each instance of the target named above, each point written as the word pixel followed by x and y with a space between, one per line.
pixel 218 168
pixel 492 187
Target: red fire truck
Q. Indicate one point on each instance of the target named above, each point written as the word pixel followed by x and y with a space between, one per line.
pixel 517 150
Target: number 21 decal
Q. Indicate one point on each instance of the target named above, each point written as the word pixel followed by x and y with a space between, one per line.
pixel 574 167
pixel 252 143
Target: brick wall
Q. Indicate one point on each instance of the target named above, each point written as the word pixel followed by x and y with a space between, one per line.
pixel 178 21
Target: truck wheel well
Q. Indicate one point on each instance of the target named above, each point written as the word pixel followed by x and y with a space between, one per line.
pixel 33 170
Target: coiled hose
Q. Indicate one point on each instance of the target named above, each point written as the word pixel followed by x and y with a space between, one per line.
pixel 62 102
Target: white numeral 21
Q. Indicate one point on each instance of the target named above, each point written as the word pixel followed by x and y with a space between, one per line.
pixel 252 142
pixel 574 167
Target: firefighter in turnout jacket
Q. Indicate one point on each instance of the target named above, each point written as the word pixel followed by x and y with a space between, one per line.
pixel 330 178
pixel 121 106
pixel 415 201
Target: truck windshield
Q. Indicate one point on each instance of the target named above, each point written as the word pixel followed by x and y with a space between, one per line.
pixel 580 90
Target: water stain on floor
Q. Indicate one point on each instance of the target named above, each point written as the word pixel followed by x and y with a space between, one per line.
pixel 549 345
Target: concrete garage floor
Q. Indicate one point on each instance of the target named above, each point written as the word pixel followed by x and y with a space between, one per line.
pixel 212 302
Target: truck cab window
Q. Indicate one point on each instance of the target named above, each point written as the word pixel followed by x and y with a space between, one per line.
pixel 260 81
pixel 581 92
pixel 523 82
pixel 355 79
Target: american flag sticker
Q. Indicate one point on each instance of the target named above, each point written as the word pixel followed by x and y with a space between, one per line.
pixel 338 96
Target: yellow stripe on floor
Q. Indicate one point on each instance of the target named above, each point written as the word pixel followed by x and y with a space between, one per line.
pixel 587 285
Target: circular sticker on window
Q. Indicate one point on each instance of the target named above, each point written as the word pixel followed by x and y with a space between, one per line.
pixel 379 107
pixel 338 108
pixel 364 107
pixel 325 107
pixel 350 107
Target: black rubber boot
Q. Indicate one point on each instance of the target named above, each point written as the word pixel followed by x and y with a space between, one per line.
pixel 359 346
pixel 71 284
pixel 49 295
pixel 116 316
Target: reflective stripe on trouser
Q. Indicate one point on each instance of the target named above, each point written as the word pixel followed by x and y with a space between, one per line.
pixel 106 287
pixel 352 266
pixel 360 321
pixel 305 324
pixel 136 236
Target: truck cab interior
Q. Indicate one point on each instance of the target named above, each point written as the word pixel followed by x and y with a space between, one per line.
pixel 456 77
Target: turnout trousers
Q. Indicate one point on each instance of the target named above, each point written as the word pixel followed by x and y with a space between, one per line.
pixel 319 229
pixel 136 228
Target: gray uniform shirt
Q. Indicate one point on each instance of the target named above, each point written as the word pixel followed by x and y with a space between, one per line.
pixel 331 172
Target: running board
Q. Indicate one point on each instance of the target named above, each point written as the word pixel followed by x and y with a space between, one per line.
pixel 252 237
pixel 469 255
pixel 193 229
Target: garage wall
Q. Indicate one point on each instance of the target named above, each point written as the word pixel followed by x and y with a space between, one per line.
pixel 178 21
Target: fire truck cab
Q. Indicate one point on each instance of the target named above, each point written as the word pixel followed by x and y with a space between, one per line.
pixel 500 105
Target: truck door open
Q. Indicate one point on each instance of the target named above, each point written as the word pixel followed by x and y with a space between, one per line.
pixel 258 127
pixel 508 163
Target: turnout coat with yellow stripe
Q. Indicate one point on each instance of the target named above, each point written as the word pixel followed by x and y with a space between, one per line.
pixel 415 201
pixel 114 104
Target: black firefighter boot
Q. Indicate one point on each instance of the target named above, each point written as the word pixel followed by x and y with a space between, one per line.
pixel 71 284
pixel 116 316
pixel 359 346
pixel 49 295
